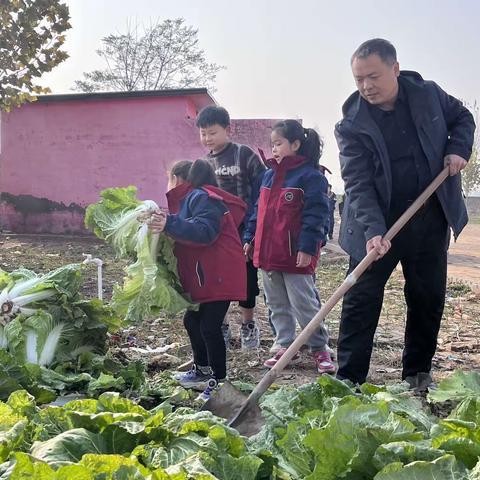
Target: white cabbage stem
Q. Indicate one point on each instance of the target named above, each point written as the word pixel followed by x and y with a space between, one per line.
pixel 131 216
pixel 24 286
pixel 4 296
pixel 3 338
pixel 154 246
pixel 28 312
pixel 47 355
pixel 33 297
pixel 49 348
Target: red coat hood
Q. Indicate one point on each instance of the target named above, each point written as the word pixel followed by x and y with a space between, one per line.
pixel 235 204
pixel 214 272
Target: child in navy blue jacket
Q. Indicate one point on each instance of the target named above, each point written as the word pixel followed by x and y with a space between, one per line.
pixel 203 221
pixel 288 228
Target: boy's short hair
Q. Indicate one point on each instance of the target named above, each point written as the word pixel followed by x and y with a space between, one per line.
pixel 213 115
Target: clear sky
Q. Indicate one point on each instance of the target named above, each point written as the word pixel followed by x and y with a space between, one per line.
pixel 290 58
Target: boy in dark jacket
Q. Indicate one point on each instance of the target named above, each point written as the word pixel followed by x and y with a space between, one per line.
pixel 239 171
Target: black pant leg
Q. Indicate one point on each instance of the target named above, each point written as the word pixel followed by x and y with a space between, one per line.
pixel 425 271
pixel 210 325
pixel 191 321
pixel 331 224
pixel 361 309
pixel 252 286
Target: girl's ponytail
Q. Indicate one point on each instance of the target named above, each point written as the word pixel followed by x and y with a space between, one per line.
pixel 312 146
pixel 201 173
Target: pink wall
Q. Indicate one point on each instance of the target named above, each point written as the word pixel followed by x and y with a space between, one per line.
pixel 254 132
pixel 55 157
pixel 68 151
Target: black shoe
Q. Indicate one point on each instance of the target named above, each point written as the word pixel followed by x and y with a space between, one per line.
pixel 422 382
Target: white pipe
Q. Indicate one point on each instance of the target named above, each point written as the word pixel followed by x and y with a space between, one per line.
pixel 99 264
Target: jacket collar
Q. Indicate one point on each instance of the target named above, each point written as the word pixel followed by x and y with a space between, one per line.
pixel 287 163
pixel 227 146
pixel 176 195
pixel 411 89
pixel 378 114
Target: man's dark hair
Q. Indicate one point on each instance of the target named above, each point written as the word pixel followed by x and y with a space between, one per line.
pixel 377 46
pixel 213 115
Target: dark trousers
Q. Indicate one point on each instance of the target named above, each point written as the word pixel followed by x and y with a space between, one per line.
pixel 204 328
pixel 252 286
pixel 331 224
pixel 421 247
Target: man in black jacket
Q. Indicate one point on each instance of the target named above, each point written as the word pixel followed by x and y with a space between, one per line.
pixel 397 134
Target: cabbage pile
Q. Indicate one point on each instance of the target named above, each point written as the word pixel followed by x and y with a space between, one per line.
pixel 151 284
pixel 45 321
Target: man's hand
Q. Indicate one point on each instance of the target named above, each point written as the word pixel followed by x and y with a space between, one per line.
pixel 303 259
pixel 379 244
pixel 455 163
pixel 156 223
pixel 248 250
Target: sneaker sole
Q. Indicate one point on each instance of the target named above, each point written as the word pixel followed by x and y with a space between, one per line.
pixel 328 372
pixel 292 362
pixel 274 351
pixel 200 386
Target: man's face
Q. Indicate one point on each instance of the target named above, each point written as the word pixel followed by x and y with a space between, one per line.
pixel 376 81
pixel 214 137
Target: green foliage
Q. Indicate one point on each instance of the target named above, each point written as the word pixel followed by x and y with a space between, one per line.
pixel 321 431
pixel 443 468
pixel 328 431
pixel 151 283
pixel 457 387
pixel 113 438
pixel 32 34
pixel 47 322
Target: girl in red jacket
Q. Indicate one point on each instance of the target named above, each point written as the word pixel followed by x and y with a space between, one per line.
pixel 203 221
pixel 288 228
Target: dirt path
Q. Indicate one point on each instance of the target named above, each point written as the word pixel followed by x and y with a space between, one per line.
pixel 464 257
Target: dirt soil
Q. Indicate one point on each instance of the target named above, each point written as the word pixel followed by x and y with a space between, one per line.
pixel 464 256
pixel 459 342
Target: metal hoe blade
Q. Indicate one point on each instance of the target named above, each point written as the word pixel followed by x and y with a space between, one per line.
pixel 227 401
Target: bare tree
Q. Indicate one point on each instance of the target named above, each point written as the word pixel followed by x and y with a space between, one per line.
pixel 164 55
pixel 471 173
